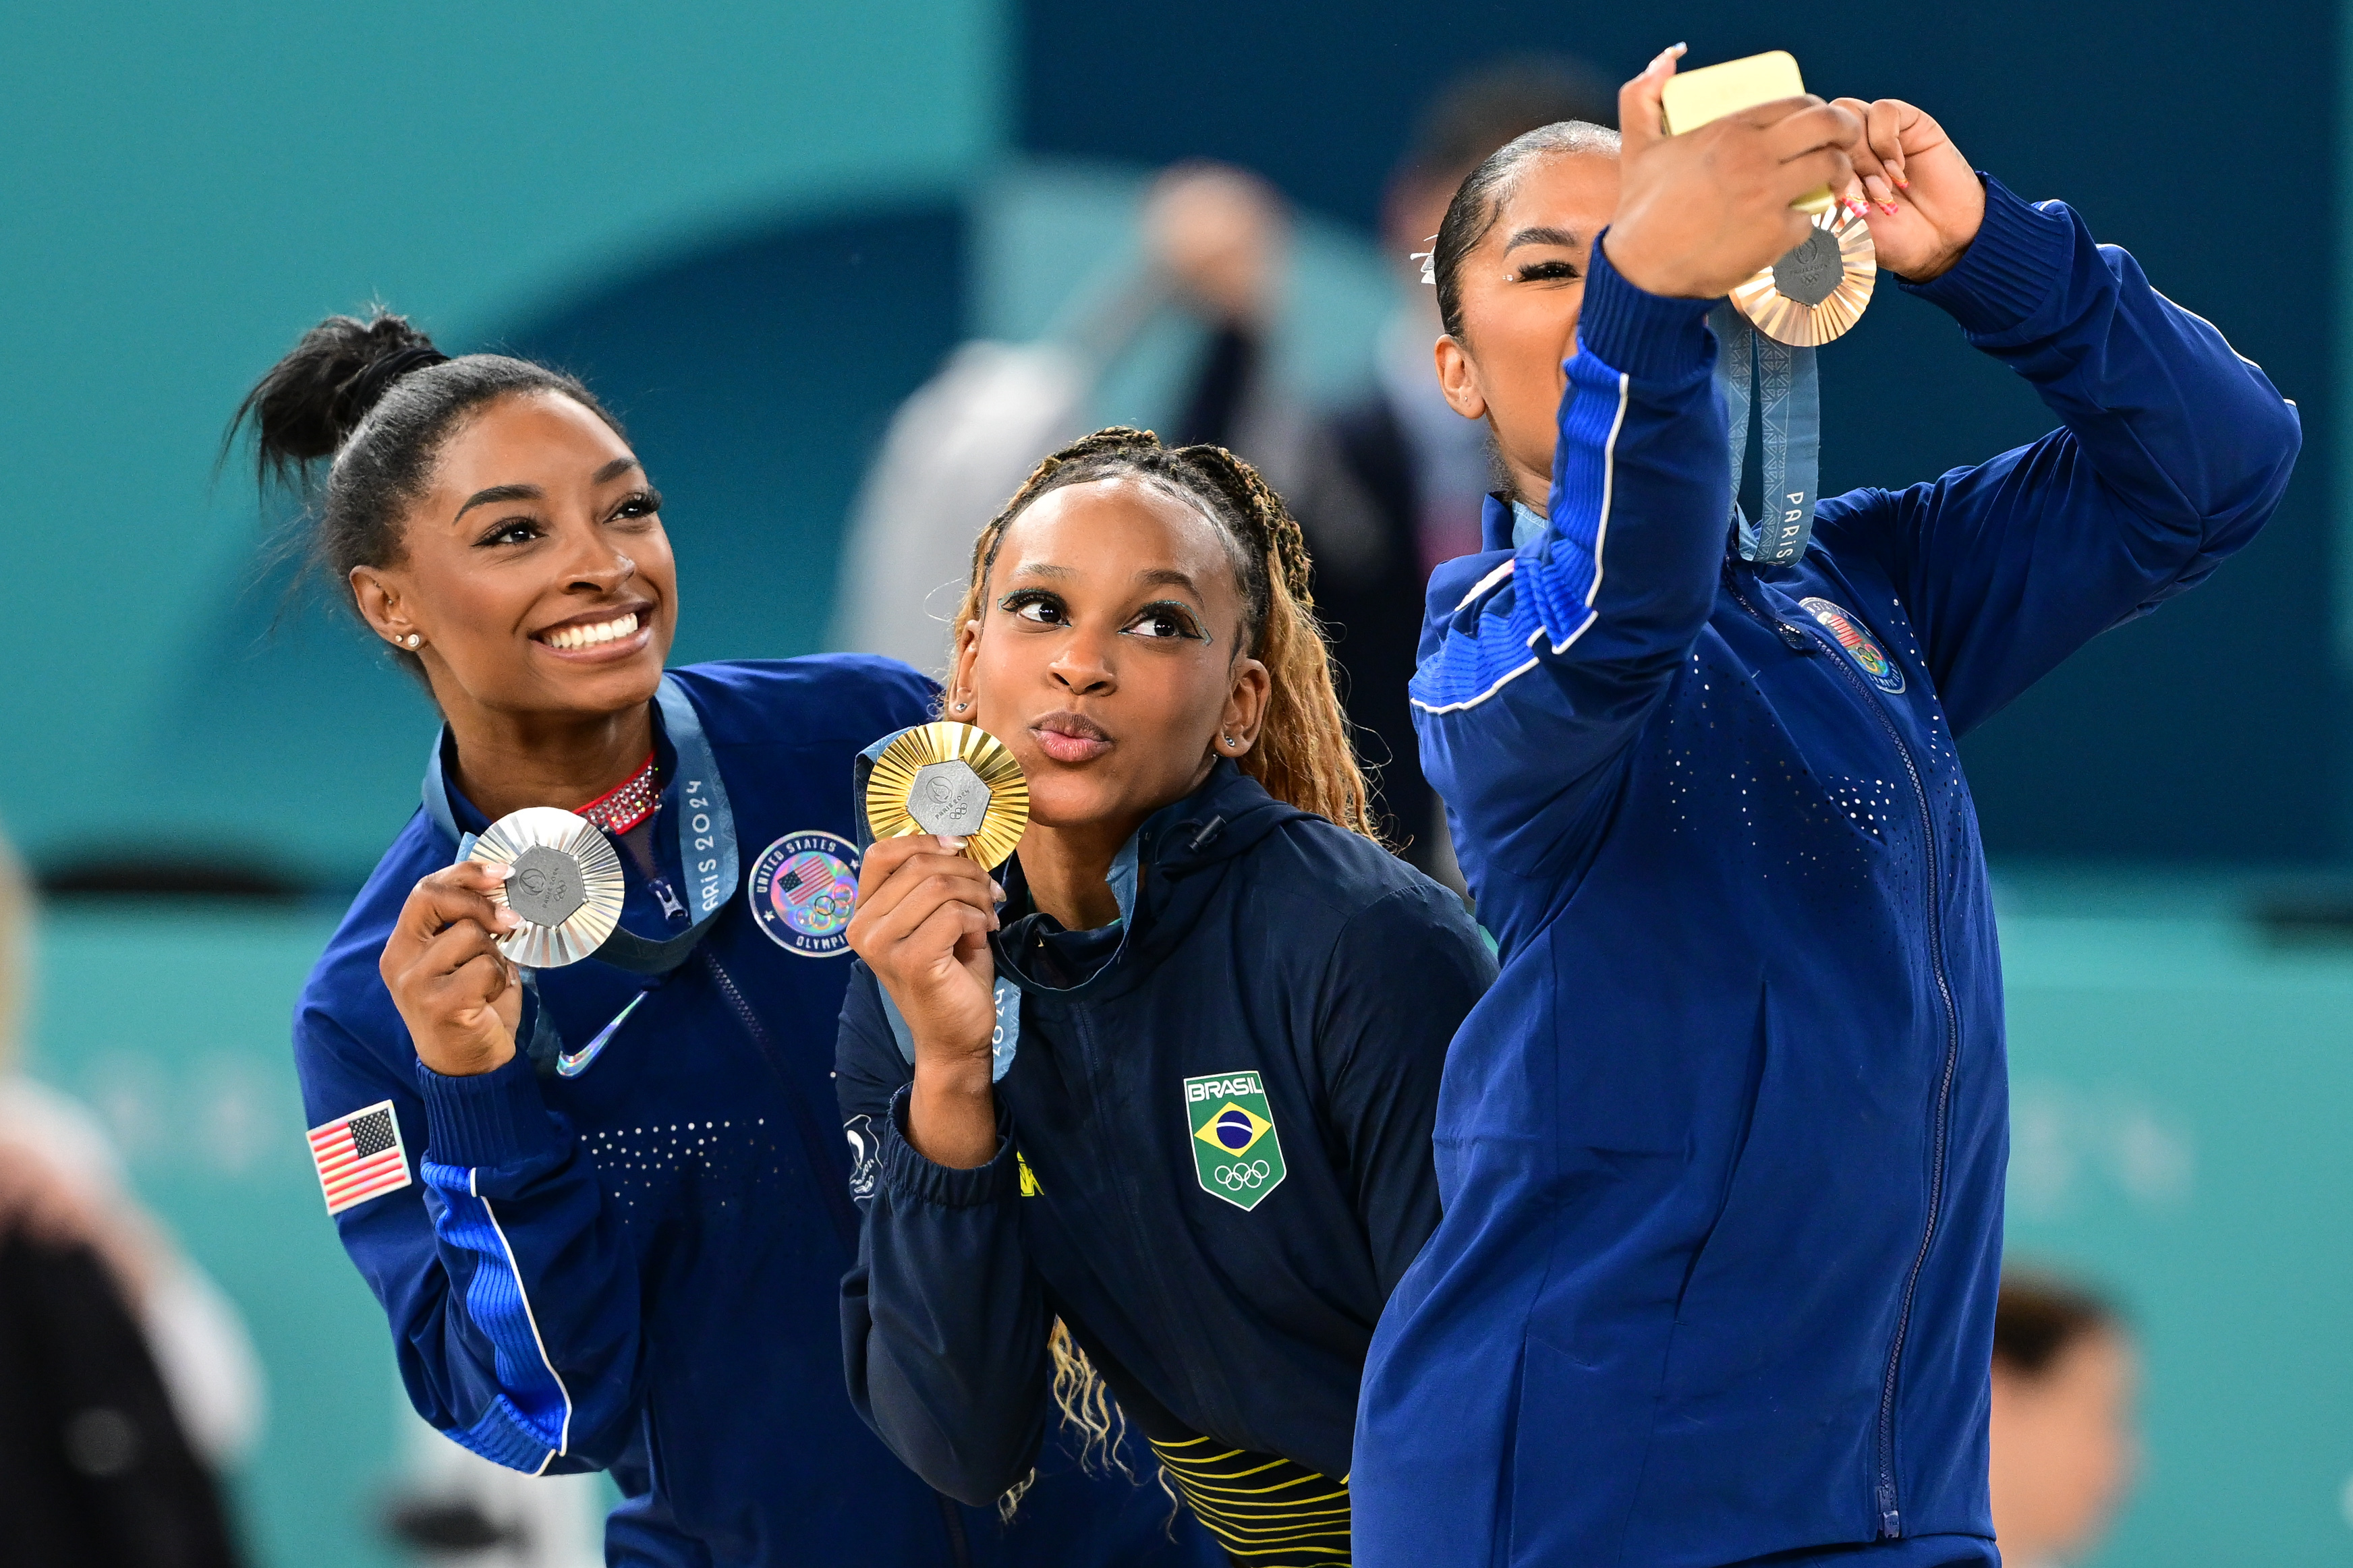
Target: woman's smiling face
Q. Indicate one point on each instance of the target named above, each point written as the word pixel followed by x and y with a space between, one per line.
pixel 535 570
pixel 1107 652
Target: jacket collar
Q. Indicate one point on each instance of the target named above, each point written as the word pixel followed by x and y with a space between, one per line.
pixel 1496 523
pixel 1156 877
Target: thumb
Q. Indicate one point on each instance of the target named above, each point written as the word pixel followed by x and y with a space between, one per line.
pixel 1641 119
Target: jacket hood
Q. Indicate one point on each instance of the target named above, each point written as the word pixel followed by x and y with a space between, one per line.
pixel 1158 877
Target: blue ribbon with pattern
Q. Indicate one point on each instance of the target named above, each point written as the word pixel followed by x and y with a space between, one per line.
pixel 1782 386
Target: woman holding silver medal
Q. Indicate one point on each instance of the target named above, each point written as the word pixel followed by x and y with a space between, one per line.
pixel 602 1202
pixel 1150 1118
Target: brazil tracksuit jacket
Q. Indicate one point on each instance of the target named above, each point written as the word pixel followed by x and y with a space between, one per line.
pixel 1722 1151
pixel 1215 1163
pixel 628 1256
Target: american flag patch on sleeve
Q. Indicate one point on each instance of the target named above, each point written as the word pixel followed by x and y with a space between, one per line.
pixel 359 1156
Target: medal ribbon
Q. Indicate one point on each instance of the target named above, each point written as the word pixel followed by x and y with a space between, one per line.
pixel 699 816
pixel 1782 385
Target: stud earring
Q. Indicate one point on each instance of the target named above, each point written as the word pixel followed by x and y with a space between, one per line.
pixel 962 706
pixel 413 639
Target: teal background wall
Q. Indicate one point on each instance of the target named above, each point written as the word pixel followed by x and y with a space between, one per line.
pixel 2179 1093
pixel 188 1068
pixel 186 188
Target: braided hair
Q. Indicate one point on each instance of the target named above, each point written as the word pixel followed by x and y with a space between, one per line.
pixel 1303 755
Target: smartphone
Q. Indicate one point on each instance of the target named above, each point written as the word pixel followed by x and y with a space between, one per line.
pixel 1691 98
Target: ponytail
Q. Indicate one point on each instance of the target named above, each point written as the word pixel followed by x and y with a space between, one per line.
pixel 376 401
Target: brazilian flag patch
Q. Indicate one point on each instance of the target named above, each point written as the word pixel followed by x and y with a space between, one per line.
pixel 1236 1150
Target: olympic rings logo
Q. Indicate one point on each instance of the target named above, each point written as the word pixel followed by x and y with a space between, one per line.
pixel 1241 1178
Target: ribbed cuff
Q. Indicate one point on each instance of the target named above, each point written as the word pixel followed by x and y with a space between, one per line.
pixel 487 1119
pixel 910 1175
pixel 2011 270
pixel 1648 336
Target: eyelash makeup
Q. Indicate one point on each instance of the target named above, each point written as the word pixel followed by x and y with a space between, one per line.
pixel 1020 599
pixel 1547 272
pixel 1188 628
pixel 497 532
pixel 631 507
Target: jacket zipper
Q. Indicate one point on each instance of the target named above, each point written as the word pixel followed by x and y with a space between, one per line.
pixel 837 1202
pixel 1797 640
pixel 831 1189
pixel 1162 1289
pixel 1891 1516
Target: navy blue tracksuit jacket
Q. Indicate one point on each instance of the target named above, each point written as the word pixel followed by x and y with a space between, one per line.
pixel 1722 1153
pixel 1265 951
pixel 632 1263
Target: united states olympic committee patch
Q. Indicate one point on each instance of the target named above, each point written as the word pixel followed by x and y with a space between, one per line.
pixel 1868 655
pixel 803 890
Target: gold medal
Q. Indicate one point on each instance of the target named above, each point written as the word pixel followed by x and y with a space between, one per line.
pixel 1818 291
pixel 567 884
pixel 951 780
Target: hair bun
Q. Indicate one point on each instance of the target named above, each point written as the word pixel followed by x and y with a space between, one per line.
pixel 315 397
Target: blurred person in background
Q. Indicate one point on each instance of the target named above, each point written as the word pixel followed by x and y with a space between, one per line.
pixel 127 1383
pixel 2065 1437
pixel 1377 486
pixel 603 1205
pixel 967 437
pixel 1387 486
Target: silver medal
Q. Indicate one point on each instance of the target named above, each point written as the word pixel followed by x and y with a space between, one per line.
pixel 567 884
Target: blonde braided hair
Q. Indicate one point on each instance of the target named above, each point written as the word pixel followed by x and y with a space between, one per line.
pixel 1302 756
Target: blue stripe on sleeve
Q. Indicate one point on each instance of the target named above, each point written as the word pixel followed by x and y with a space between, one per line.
pixel 1543 597
pixel 503 1436
pixel 537 1406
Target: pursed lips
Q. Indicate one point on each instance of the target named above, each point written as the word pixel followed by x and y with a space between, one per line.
pixel 1068 738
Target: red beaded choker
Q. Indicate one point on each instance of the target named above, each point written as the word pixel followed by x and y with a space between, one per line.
pixel 626 803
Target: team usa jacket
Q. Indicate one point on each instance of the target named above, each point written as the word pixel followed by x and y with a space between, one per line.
pixel 1216 1161
pixel 631 1262
pixel 1722 1153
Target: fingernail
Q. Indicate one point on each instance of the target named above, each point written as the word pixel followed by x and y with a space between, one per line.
pixel 996 890
pixel 951 844
pixel 1888 207
pixel 502 872
pixel 508 919
pixel 1900 183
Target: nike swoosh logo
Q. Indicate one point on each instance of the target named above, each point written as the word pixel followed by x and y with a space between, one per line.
pixel 572 1064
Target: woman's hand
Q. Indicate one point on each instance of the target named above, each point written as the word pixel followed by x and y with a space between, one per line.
pixel 924 912
pixel 1700 213
pixel 1922 199
pixel 461 998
